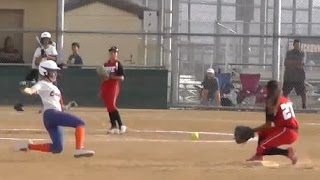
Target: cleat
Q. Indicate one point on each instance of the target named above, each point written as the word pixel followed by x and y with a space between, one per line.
pixel 123 129
pixel 23 145
pixel 83 153
pixel 292 155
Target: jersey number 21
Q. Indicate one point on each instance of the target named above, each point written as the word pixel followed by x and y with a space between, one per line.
pixel 287 111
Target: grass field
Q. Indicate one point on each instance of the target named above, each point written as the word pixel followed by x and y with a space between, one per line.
pixel 158 146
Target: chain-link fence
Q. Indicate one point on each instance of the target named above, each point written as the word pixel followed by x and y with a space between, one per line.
pixel 246 62
pixel 188 37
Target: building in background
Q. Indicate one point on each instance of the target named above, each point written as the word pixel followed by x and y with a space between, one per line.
pixel 24 15
pixel 80 15
pixel 298 18
pixel 118 16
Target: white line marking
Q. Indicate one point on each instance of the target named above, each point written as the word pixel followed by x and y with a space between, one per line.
pixel 174 132
pixel 176 141
pixel 20 139
pixel 312 124
pixel 105 138
pixel 165 140
pixel 130 140
pixel 180 132
pixel 22 130
pixel 133 130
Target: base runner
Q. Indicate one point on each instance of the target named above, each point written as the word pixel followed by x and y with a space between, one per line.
pixel 53 116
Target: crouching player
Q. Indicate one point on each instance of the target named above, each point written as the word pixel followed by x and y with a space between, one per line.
pixel 280 128
pixel 53 117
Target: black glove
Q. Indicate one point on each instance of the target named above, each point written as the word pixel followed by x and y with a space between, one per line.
pixel 43 53
pixel 61 65
pixel 242 134
pixel 18 107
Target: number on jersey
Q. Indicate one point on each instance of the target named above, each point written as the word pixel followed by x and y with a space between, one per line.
pixel 287 111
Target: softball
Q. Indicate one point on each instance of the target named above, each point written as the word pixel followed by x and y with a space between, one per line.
pixel 195 136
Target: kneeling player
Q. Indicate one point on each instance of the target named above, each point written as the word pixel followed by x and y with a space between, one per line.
pixel 280 128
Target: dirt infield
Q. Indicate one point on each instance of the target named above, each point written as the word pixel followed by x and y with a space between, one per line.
pixel 158 147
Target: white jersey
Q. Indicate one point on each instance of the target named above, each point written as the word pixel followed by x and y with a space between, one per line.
pixel 51 51
pixel 50 95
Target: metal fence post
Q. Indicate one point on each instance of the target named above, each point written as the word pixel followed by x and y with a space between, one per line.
pixel 60 29
pixel 276 40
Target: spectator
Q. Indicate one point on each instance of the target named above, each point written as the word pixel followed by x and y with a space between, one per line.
pixel 210 89
pixel 75 58
pixel 48 53
pixel 8 54
pixel 294 74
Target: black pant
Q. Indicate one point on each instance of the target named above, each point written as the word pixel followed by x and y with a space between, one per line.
pixel 298 86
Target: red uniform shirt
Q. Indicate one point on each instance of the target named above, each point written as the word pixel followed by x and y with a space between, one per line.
pixel 115 68
pixel 285 116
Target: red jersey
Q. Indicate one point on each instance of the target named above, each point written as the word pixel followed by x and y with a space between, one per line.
pixel 115 68
pixel 285 116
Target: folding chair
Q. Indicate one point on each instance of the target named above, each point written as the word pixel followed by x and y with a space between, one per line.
pixel 224 80
pixel 249 87
pixel 227 90
pixel 261 95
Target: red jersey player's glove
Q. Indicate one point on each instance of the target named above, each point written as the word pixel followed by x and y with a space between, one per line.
pixel 103 72
pixel 242 134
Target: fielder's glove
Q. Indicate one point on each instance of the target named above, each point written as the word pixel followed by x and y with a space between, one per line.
pixel 103 72
pixel 242 134
pixel 25 84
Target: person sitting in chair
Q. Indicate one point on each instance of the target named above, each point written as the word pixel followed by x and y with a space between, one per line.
pixel 229 95
pixel 210 91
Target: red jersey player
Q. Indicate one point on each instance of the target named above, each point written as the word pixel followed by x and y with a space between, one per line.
pixel 110 89
pixel 280 128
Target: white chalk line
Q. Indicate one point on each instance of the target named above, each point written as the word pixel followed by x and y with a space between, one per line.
pixel 128 140
pixel 21 130
pixel 131 130
pixel 175 132
pixel 163 140
pixel 312 124
pixel 106 139
pixel 20 139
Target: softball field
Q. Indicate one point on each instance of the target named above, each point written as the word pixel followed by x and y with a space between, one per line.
pixel 158 146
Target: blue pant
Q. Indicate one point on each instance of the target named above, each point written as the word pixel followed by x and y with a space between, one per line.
pixel 54 121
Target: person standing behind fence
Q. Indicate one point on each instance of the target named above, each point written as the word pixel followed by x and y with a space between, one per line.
pixel 210 89
pixel 8 54
pixel 294 74
pixel 110 88
pixel 75 58
pixel 48 53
